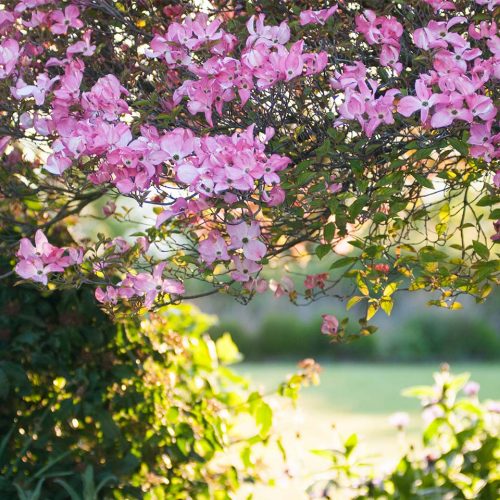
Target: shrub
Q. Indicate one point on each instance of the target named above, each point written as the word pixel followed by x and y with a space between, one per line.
pixel 429 338
pixel 458 457
pixel 138 410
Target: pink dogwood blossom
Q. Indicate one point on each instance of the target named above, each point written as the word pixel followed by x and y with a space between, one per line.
pixel 62 21
pixel 330 325
pixel 246 237
pixel 423 101
pixel 317 16
pixel 9 55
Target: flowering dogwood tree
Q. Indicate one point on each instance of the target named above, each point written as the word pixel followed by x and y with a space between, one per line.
pixel 363 133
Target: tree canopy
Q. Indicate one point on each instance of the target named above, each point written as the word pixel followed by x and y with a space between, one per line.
pixel 248 135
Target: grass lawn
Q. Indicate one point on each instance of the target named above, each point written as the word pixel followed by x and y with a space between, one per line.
pixel 353 397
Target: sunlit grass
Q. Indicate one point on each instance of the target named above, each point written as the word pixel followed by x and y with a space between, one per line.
pixel 351 398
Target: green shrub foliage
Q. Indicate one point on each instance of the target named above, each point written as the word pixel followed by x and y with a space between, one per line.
pixel 128 410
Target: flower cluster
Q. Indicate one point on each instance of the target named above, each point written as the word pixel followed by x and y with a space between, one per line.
pixel 385 31
pixel 360 99
pixel 264 61
pixel 144 286
pixel 37 261
pixel 455 88
pixel 228 199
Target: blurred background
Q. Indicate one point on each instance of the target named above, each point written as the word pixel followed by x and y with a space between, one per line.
pixel 361 382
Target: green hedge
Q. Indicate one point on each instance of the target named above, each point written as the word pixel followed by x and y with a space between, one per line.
pixel 418 339
pixel 90 408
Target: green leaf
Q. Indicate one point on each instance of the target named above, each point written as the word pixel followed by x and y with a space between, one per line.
pixel 420 154
pixel 329 231
pixel 227 351
pixel 324 149
pixel 423 181
pixel 69 489
pixel 459 145
pixel 263 418
pixel 419 391
pixel 357 206
pixel 342 262
pixel 362 287
pixel 323 250
pixel 444 212
pixel 305 177
pixel 481 249
pixel 488 200
pixel 350 444
pixel 4 385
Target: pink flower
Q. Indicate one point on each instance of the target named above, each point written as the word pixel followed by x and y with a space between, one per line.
pixel 457 59
pixel 38 91
pixel 274 197
pixel 496 179
pixel 37 261
pixel 109 208
pixel 315 280
pixel 330 324
pixel 400 420
pixel 83 47
pixel 440 4
pixel 9 54
pixel 42 247
pixel 471 388
pixel 57 164
pixel 490 3
pixel 108 296
pixel 285 287
pixel 317 16
pixel 481 107
pixel 143 243
pixel 256 285
pixel 493 406
pixel 104 98
pixel 247 237
pixel 482 141
pixel 178 143
pixel 150 286
pixel 453 110
pixel 423 101
pixel 382 268
pixel 62 21
pixel 496 236
pixel 213 248
pixel 351 76
pixel 4 142
pixel 267 35
pixel 36 270
pixel 244 269
pixel 437 34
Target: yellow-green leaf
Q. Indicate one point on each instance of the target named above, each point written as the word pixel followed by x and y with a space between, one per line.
pixel 372 310
pixel 353 301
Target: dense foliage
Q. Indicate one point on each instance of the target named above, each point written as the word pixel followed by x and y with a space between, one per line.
pixel 91 409
pixel 458 456
pixel 254 131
